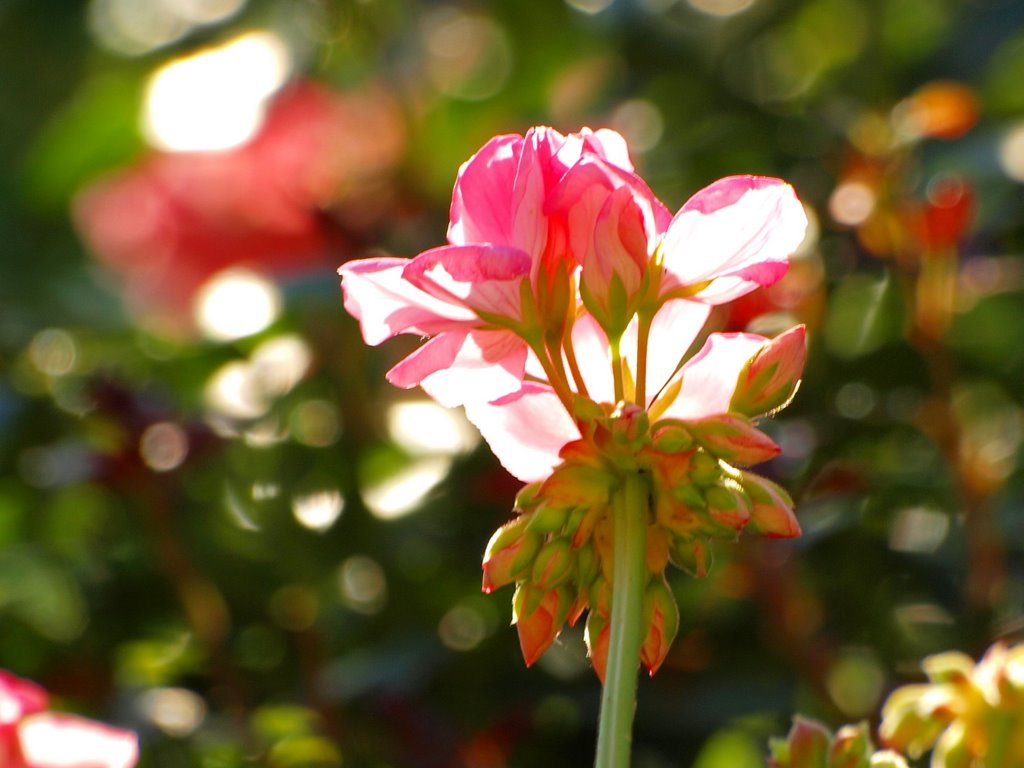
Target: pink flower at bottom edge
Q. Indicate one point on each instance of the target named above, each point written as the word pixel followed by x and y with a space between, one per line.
pixel 54 740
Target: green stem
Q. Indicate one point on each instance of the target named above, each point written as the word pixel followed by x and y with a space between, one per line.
pixel 617 369
pixel 643 336
pixel 618 701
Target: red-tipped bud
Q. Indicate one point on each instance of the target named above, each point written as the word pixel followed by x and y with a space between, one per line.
pixel 615 263
pixel 770 378
pixel 597 636
pixel 734 439
pixel 693 555
pixel 704 468
pixel 771 508
pixel 808 744
pixel 851 747
pixel 575 484
pixel 552 565
pixel 509 554
pixel 728 507
pixel 661 618
pixel 539 616
pixel 548 519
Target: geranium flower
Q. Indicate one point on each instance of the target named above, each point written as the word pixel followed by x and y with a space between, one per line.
pixel 560 315
pixel 32 737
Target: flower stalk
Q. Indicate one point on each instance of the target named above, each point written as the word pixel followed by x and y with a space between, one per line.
pixel 630 503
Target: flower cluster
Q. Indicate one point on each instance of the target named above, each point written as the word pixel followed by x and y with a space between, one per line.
pixel 563 314
pixel 32 737
pixel 810 744
pixel 970 715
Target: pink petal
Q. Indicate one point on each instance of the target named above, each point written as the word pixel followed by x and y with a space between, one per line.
pixel 19 697
pixel 708 379
pixel 457 367
pixel 594 358
pixel 385 304
pixel 526 430
pixel 481 202
pixel 51 740
pixel 737 233
pixel 673 330
pixel 484 278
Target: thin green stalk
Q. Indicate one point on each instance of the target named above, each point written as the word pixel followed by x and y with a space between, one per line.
pixel 618 701
pixel 643 336
pixel 617 369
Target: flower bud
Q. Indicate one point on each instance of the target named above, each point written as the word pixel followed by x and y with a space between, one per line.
pixel 808 744
pixel 771 508
pixel 548 518
pixel 614 267
pixel 692 555
pixel 552 565
pixel 734 439
pixel 770 378
pixel 661 618
pixel 904 725
pixel 587 566
pixel 538 616
pixel 583 532
pixel 728 509
pixel 704 468
pixel 509 554
pixel 851 747
pixel 950 667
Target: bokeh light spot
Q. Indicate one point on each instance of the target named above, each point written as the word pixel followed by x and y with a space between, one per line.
pixel 318 511
pixel 1011 153
pixel 851 203
pixel 721 8
pixel 855 682
pixel 53 352
pixel 640 122
pixel 175 711
pixel 280 363
pixel 315 423
pixel 918 529
pixel 133 27
pixel 362 585
pixel 402 493
pixel 855 400
pixel 215 99
pixel 462 628
pixel 232 391
pixel 163 446
pixel 422 427
pixel 589 7
pixel 469 56
pixel 236 303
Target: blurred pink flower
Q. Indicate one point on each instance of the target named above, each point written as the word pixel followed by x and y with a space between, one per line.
pixel 281 203
pixel 32 737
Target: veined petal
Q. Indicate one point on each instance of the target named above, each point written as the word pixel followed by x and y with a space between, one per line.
pixel 456 367
pixel 673 329
pixel 386 304
pixel 707 381
pixel 735 235
pixel 481 210
pixel 51 740
pixel 525 430
pixel 484 278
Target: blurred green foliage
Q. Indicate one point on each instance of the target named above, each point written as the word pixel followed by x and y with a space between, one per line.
pixel 252 556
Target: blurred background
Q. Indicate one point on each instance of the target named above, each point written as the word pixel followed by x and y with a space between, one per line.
pixel 219 526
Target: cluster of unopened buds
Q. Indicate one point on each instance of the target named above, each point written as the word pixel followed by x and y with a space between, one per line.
pixel 566 314
pixel 967 715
